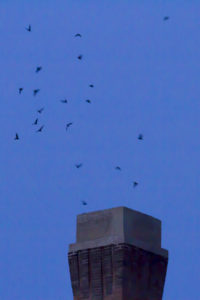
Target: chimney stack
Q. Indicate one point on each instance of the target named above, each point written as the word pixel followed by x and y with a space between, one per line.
pixel 117 256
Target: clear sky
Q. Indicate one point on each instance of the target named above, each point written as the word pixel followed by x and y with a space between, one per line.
pixel 146 76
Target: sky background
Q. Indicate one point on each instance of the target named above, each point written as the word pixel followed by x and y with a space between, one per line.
pixel 146 76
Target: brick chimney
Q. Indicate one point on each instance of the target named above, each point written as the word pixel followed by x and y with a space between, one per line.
pixel 117 256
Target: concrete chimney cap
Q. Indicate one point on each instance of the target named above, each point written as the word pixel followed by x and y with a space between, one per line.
pixel 118 225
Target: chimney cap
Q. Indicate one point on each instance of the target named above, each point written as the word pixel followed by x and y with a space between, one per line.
pixel 118 225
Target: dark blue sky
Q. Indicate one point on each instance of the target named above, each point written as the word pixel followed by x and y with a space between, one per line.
pixel 146 74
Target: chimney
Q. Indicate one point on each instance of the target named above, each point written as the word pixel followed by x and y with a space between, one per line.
pixel 117 256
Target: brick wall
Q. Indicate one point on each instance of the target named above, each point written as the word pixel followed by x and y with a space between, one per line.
pixel 117 272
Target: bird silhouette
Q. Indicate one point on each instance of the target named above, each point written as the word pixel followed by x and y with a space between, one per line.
pixel 40 110
pixel 35 92
pixel 16 136
pixel 84 203
pixel 29 28
pixel 68 125
pixel 20 90
pixel 88 101
pixel 78 165
pixel 135 183
pixel 118 168
pixel 80 57
pixel 36 121
pixel 91 85
pixel 38 69
pixel 64 101
pixel 166 18
pixel 140 136
pixel 40 129
pixel 78 34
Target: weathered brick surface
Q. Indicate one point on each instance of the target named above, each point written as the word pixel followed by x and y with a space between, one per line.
pixel 117 272
pixel 107 270
pixel 74 272
pixel 96 276
pixel 84 277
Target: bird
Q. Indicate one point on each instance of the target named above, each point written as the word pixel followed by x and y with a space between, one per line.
pixel 78 165
pixel 35 92
pixel 80 57
pixel 64 101
pixel 84 203
pixel 20 90
pixel 118 168
pixel 88 101
pixel 40 110
pixel 91 85
pixel 135 183
pixel 36 121
pixel 78 34
pixel 140 136
pixel 40 129
pixel 38 69
pixel 68 125
pixel 166 18
pixel 29 28
pixel 16 136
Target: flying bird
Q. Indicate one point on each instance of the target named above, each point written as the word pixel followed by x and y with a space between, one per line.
pixel 78 34
pixel 36 121
pixel 135 183
pixel 80 57
pixel 140 137
pixel 68 125
pixel 20 90
pixel 64 101
pixel 88 101
pixel 166 18
pixel 40 110
pixel 40 129
pixel 16 136
pixel 78 166
pixel 118 168
pixel 38 69
pixel 91 85
pixel 84 203
pixel 29 28
pixel 35 92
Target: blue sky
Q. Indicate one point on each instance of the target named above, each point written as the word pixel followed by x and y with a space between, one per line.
pixel 146 75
